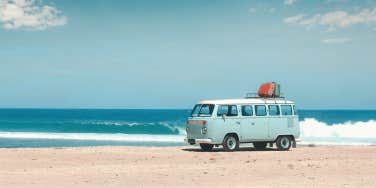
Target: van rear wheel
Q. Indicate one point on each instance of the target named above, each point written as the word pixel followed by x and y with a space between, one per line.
pixel 259 145
pixel 231 143
pixel 283 143
pixel 206 147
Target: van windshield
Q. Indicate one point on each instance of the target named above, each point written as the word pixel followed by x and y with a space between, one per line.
pixel 202 110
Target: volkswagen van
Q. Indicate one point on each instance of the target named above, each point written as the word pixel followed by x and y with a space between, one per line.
pixel 231 122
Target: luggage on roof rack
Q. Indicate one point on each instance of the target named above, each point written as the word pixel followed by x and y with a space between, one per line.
pixel 270 89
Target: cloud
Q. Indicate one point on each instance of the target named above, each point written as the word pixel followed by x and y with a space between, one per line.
pixel 252 10
pixel 289 2
pixel 293 19
pixel 336 19
pixel 335 40
pixel 29 15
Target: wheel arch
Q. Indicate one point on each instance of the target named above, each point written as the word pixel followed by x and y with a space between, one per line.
pixel 232 133
pixel 289 135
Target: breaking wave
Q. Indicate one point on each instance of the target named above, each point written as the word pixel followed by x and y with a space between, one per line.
pixel 94 136
pixel 348 133
pixel 312 131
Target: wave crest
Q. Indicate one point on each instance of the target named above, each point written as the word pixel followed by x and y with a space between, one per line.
pixel 348 133
pixel 95 136
pixel 311 127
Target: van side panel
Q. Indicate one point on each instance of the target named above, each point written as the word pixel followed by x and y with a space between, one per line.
pixel 220 127
pixel 283 125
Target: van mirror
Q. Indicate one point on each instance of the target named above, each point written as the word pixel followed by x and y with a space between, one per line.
pixel 224 116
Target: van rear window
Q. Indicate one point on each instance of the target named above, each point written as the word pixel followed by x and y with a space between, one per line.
pixel 195 110
pixel 202 110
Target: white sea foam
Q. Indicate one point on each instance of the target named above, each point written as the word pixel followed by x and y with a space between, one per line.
pixel 348 133
pixel 312 128
pixel 95 136
pixel 312 132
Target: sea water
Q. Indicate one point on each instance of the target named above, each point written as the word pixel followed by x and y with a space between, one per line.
pixel 98 127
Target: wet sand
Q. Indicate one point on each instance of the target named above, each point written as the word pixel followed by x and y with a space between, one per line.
pixel 321 166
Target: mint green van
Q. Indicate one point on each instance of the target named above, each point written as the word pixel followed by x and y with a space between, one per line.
pixel 230 122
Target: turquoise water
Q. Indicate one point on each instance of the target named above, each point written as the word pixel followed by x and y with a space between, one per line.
pixel 89 127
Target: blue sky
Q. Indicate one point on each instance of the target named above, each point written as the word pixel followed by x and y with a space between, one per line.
pixel 171 54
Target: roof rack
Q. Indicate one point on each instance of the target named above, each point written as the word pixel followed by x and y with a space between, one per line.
pixel 255 95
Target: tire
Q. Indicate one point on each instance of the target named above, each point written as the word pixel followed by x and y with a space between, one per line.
pixel 284 143
pixel 230 143
pixel 260 145
pixel 206 147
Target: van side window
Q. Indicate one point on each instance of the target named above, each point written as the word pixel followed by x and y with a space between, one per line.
pixel 273 110
pixel 233 110
pixel 286 110
pixel 223 109
pixel 247 110
pixel 260 110
pixel 229 110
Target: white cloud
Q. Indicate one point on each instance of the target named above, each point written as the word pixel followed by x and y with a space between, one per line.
pixel 336 19
pixel 289 2
pixel 29 15
pixel 293 19
pixel 335 40
pixel 252 10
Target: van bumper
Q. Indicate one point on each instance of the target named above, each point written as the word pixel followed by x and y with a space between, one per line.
pixel 198 141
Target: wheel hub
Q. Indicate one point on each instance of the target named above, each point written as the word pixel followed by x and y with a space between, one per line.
pixel 285 142
pixel 231 143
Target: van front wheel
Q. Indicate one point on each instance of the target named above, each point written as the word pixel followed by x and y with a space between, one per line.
pixel 206 147
pixel 283 143
pixel 231 143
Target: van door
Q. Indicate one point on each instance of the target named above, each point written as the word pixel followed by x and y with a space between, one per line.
pixel 255 127
pixel 228 119
pixel 277 123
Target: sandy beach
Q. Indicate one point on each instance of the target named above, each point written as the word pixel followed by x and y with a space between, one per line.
pixel 321 166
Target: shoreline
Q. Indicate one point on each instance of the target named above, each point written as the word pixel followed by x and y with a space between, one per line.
pixel 182 145
pixel 185 166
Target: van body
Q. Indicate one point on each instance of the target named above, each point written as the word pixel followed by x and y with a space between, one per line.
pixel 251 120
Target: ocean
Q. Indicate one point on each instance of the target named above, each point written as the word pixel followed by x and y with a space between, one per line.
pixel 131 127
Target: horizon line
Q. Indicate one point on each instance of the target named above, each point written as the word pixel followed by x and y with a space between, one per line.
pixel 121 108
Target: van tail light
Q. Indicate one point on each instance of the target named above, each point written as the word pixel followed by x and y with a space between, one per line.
pixel 204 130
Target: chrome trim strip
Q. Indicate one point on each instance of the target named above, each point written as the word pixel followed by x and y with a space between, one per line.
pixel 200 141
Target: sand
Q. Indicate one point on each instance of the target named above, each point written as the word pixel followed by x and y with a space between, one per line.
pixel 323 166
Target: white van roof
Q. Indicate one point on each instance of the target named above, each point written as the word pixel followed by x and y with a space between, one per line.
pixel 248 101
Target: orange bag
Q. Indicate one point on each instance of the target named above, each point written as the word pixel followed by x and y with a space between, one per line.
pixel 267 89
